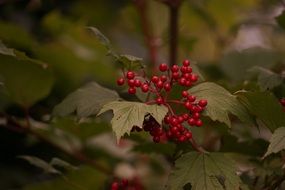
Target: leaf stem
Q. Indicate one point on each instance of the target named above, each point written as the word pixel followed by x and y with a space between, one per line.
pixel 197 147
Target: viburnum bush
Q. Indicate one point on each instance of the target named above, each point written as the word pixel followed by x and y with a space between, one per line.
pixel 172 127
pixel 141 125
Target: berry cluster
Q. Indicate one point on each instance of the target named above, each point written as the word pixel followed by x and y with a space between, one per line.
pixel 282 101
pixel 161 85
pixel 125 184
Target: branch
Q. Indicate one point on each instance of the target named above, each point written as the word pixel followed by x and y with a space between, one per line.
pixel 150 40
pixel 197 147
pixel 78 155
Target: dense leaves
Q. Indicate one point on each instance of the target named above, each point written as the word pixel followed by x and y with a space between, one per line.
pixel 221 103
pixel 204 172
pixel 26 80
pixel 277 141
pixel 265 107
pixel 86 101
pixel 129 114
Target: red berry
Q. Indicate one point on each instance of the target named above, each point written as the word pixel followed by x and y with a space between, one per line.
pixel 167 86
pixel 175 68
pixel 184 93
pixel 183 69
pixel 144 87
pixel 191 98
pixel 188 135
pixel 187 76
pixel 159 100
pixel 188 83
pixel 125 182
pixel 203 103
pixel 163 78
pixel 194 78
pixel 198 123
pixel 163 67
pixel 167 119
pixel 186 63
pixel 282 101
pixel 159 84
pixel 115 186
pixel 130 75
pixel 120 81
pixel 196 115
pixel 185 116
pixel 155 79
pixel 180 119
pixel 174 121
pixel 132 90
pixel 173 130
pixel 191 121
pixel 188 105
pixel 131 83
pixel 138 83
pixel 175 75
pixel 156 139
pixel 182 81
pixel 189 69
pixel 182 138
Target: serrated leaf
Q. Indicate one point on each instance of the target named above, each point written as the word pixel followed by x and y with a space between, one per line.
pixel 86 101
pixel 131 62
pixel 221 103
pixel 26 80
pixel 277 141
pixel 40 164
pixel 129 114
pixel 213 171
pixel 101 37
pixel 267 79
pixel 265 107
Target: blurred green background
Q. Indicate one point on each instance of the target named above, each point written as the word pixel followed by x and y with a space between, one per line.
pixel 225 38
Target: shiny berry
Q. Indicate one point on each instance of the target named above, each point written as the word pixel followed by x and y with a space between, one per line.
pixel 130 75
pixel 183 69
pixel 163 67
pixel 191 98
pixel 175 75
pixel 155 79
pixel 132 90
pixel 120 81
pixel 203 103
pixel 163 78
pixel 145 87
pixel 186 63
pixel 194 78
pixel 191 121
pixel 159 100
pixel 188 135
pixel 167 87
pixel 282 101
pixel 184 93
pixel 175 68
pixel 156 139
pixel 125 182
pixel 198 123
pixel 115 186
pixel 131 83
pixel 196 115
pixel 159 84
pixel 137 83
pixel 182 81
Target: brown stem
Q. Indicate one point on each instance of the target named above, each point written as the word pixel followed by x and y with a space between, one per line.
pixel 197 147
pixel 150 40
pixel 173 33
pixel 76 155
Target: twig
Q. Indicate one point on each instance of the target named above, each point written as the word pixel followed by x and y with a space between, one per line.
pixel 150 40
pixel 196 147
pixel 76 155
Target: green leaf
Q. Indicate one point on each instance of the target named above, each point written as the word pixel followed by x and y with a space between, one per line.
pixel 159 148
pixel 265 107
pixel 86 101
pixel 48 168
pixel 129 114
pixel 281 20
pixel 101 37
pixel 130 62
pixel 213 171
pixel 267 79
pixel 62 164
pixel 26 80
pixel 85 178
pixel 6 51
pixel 220 103
pixel 277 141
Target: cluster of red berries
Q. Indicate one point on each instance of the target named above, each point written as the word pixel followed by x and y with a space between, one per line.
pixel 125 184
pixel 161 86
pixel 282 101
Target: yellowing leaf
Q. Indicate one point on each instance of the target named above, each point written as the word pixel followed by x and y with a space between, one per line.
pixel 129 114
pixel 277 141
